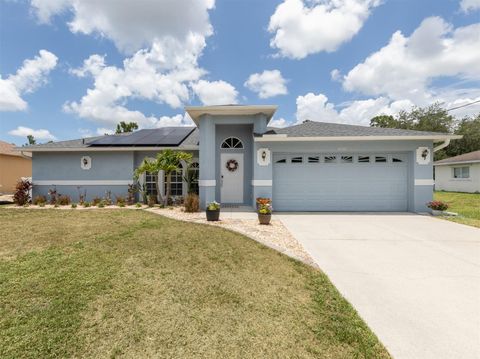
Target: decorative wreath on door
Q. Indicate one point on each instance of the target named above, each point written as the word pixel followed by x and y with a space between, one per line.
pixel 232 165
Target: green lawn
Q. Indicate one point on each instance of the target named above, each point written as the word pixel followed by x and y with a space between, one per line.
pixel 127 283
pixel 467 205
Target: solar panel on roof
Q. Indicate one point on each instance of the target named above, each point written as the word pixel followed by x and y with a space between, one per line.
pixel 165 136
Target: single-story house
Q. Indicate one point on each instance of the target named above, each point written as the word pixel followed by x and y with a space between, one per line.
pixel 14 165
pixel 458 174
pixel 311 166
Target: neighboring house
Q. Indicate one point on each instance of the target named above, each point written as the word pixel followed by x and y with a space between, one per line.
pixel 459 173
pixel 312 166
pixel 14 164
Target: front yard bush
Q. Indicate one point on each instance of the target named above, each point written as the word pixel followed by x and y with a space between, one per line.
pixel 64 200
pixel 39 200
pixel 192 203
pixel 22 192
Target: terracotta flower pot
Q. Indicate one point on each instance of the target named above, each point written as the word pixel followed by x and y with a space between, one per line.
pixel 264 218
pixel 213 215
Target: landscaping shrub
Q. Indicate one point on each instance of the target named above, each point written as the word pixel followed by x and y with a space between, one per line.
pixel 64 200
pixel 86 204
pixel 53 195
pixel 120 201
pixel 96 200
pixel 42 204
pixel 38 200
pixel 107 200
pixel 437 205
pixel 132 189
pixel 22 192
pixel 138 205
pixel 152 200
pixel 82 196
pixel 192 203
pixel 74 205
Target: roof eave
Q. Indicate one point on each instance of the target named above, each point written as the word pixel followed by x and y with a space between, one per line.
pixel 280 138
pixel 111 149
pixel 456 163
pixel 196 112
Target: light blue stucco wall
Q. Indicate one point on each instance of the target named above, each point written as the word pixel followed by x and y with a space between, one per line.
pixel 54 167
pixel 210 151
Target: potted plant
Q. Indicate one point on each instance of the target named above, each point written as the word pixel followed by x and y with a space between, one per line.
pixel 213 211
pixel 262 201
pixel 265 213
pixel 438 207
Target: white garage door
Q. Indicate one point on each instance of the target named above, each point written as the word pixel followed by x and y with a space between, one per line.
pixel 340 182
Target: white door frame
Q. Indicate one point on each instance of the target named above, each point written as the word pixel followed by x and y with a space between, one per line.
pixel 231 183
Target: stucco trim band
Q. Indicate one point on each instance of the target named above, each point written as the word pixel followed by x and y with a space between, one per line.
pixel 262 183
pixel 424 182
pixel 82 182
pixel 207 183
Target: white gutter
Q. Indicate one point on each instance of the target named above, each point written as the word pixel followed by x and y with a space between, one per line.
pixel 110 149
pixel 279 138
pixel 457 163
pixel 442 145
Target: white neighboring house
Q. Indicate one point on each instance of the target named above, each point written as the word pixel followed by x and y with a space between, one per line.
pixel 458 174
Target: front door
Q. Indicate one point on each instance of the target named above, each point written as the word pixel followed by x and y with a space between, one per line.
pixel 231 181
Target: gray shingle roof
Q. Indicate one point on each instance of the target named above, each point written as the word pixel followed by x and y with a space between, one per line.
pixel 325 129
pixel 466 157
pixel 191 140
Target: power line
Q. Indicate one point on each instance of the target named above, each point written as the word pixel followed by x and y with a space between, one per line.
pixel 467 104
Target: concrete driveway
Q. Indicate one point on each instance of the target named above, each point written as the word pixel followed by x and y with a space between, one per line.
pixel 414 279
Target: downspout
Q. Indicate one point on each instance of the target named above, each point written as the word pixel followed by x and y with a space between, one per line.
pixel 442 145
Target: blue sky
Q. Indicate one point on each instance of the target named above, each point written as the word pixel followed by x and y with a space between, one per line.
pixel 333 60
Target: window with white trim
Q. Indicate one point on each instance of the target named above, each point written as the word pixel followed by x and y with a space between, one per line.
pixel 232 142
pixel 151 183
pixel 176 182
pixel 461 172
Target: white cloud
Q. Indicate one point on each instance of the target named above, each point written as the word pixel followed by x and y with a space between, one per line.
pixel 40 134
pixel 317 108
pixel 104 131
pixel 301 29
pixel 29 77
pixel 215 92
pixel 132 25
pixel 267 84
pixel 469 5
pixel 147 75
pixel 278 122
pixel 405 68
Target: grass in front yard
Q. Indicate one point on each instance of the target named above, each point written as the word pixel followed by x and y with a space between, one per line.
pixel 467 205
pixel 126 283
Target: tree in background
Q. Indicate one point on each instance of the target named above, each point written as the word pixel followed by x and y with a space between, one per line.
pixel 126 127
pixel 434 118
pixel 469 128
pixel 31 140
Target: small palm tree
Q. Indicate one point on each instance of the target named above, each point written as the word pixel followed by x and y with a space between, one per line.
pixel 167 161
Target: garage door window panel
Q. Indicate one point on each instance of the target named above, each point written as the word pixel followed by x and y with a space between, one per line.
pixel 363 159
pixel 380 159
pixel 297 159
pixel 346 159
pixel 313 159
pixel 330 159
